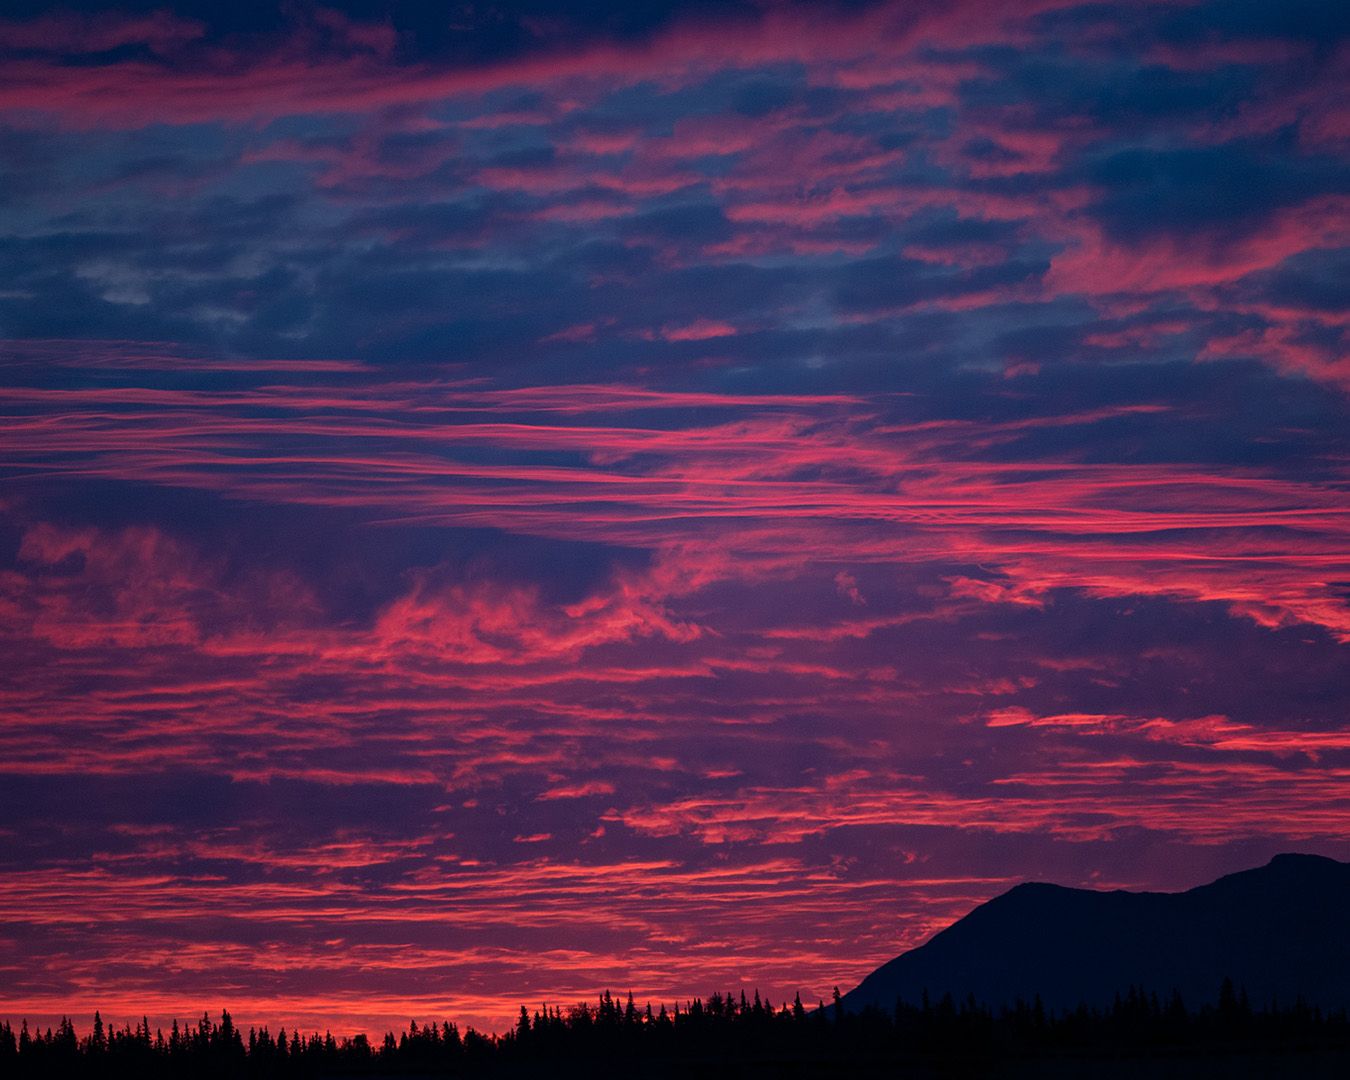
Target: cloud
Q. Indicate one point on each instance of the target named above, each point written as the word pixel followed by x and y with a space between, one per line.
pixel 654 496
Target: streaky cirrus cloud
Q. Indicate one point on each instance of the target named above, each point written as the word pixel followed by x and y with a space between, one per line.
pixel 506 504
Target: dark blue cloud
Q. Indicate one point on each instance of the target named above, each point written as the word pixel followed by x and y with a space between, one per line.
pixel 1229 190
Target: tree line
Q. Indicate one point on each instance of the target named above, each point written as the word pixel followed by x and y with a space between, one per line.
pixel 725 1031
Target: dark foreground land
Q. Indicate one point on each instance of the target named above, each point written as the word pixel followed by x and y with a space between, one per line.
pixel 1139 1036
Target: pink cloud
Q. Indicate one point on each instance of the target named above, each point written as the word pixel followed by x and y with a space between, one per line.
pixel 698 330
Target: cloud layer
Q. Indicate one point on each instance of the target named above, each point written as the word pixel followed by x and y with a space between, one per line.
pixel 506 505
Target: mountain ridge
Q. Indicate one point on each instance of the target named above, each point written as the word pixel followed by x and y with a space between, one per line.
pixel 1279 931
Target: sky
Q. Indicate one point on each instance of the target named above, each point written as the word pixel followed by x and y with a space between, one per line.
pixel 504 501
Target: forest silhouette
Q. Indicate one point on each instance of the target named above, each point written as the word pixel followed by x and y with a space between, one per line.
pixel 731 1035
pixel 1185 1014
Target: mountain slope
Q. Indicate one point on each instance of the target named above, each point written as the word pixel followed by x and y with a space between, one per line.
pixel 1279 931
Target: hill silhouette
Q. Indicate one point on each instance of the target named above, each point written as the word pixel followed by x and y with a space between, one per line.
pixel 1279 932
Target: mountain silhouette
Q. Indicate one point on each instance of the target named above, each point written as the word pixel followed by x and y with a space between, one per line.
pixel 1280 932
